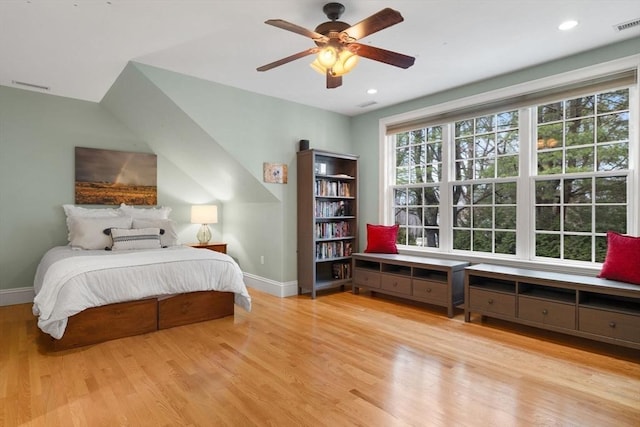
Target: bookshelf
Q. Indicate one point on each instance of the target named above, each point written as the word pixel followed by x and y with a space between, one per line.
pixel 327 219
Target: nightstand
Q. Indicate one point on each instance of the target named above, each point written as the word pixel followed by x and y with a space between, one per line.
pixel 218 247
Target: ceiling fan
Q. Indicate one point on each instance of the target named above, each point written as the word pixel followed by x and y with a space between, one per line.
pixel 337 48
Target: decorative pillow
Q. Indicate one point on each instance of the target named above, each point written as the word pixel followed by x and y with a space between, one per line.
pixel 87 232
pixel 623 258
pixel 170 235
pixel 161 212
pixel 135 238
pixel 382 239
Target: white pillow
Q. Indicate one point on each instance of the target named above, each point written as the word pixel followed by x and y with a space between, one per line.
pixel 170 236
pixel 135 238
pixel 72 210
pixel 161 212
pixel 88 233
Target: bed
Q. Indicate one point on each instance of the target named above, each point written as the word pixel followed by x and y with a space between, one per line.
pixel 87 294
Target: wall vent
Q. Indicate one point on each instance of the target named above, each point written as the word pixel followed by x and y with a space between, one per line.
pixel 31 85
pixel 367 104
pixel 627 25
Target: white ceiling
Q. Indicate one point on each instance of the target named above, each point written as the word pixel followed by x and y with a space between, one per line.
pixel 78 48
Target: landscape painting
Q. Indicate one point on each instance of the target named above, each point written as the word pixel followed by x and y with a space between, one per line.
pixel 108 177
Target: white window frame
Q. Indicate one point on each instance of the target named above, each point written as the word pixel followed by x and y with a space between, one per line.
pixel 525 182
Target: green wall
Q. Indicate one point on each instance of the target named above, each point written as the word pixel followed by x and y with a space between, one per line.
pixel 211 141
pixel 364 128
pixel 221 136
pixel 38 134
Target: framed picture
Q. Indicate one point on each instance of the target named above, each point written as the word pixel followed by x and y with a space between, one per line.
pixel 275 173
pixel 108 177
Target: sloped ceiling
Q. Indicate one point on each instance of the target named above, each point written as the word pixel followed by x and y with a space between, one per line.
pixel 78 48
pixel 169 131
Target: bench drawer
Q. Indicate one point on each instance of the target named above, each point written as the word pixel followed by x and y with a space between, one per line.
pixel 609 323
pixel 368 278
pixel 430 290
pixel 546 312
pixel 492 302
pixel 396 283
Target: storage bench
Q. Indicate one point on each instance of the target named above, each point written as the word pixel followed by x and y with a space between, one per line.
pixel 584 306
pixel 432 281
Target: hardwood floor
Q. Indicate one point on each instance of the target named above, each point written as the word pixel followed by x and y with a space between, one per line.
pixel 341 359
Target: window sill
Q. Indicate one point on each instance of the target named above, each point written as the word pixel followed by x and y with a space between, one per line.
pixel 557 266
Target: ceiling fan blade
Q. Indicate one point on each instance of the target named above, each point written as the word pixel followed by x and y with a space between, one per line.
pixel 333 81
pixel 293 57
pixel 297 29
pixel 376 22
pixel 382 55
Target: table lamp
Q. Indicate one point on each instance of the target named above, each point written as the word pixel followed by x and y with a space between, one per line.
pixel 205 215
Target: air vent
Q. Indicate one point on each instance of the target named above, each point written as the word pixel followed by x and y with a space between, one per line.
pixel 31 85
pixel 367 104
pixel 627 25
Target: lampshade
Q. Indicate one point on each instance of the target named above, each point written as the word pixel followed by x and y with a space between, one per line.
pixel 317 66
pixel 345 63
pixel 328 56
pixel 204 214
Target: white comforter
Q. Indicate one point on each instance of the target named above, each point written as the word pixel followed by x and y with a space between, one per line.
pixel 68 281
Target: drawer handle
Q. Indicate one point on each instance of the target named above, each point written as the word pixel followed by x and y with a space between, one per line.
pixel 428 290
pixel 612 324
pixel 490 301
pixel 545 312
pixel 395 284
pixel 366 279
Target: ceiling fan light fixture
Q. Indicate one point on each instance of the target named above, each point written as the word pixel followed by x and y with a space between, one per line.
pixel 328 56
pixel 347 60
pixel 338 50
pixel 317 66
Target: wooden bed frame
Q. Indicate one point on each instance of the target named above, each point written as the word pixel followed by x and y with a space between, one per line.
pixel 99 324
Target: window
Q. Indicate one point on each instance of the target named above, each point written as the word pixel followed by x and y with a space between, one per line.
pixel 484 191
pixel 418 174
pixel 582 164
pixel 545 179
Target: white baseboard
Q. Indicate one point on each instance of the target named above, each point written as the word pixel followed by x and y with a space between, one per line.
pixel 271 287
pixel 25 295
pixel 16 296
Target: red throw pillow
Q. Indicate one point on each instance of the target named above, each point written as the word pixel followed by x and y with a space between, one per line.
pixel 623 258
pixel 382 239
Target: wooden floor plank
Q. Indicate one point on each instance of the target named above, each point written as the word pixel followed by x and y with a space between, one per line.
pixel 341 359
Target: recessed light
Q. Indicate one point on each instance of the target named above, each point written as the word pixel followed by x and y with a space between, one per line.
pixel 567 25
pixel 372 91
